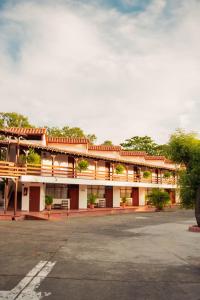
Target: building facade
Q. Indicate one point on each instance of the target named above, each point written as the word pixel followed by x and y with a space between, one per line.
pixel 111 172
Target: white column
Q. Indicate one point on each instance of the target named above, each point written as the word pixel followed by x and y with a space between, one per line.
pixel 25 197
pixel 82 196
pixel 142 194
pixel 177 196
pixel 42 196
pixel 116 196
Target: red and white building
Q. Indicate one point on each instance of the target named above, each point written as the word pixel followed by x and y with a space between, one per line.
pixel 58 176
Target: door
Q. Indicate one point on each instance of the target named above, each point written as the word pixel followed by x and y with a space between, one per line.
pixel 73 195
pixel 34 198
pixel 172 197
pixel 135 196
pixel 109 196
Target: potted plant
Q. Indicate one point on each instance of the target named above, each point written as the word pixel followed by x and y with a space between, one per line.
pixel 48 202
pixel 82 165
pixel 158 198
pixel 124 199
pixel 119 169
pixel 92 200
pixel 146 174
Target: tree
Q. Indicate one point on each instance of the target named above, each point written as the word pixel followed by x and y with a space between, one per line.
pixel 184 149
pixel 70 132
pixel 141 143
pixel 13 120
pixel 107 143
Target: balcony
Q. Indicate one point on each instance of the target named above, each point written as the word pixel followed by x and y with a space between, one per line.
pixel 8 169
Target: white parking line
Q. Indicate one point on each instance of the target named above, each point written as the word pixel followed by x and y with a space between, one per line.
pixel 26 288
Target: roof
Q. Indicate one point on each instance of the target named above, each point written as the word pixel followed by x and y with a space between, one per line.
pixel 81 154
pixel 154 157
pixel 133 153
pixel 104 148
pixel 23 131
pixel 64 140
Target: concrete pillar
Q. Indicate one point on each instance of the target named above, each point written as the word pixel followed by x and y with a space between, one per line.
pixel 42 196
pixel 82 196
pixel 116 196
pixel 142 194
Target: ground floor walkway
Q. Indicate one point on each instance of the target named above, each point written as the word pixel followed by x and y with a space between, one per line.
pixel 61 214
pixel 128 256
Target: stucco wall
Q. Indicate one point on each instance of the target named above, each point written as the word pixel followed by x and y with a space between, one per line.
pixel 116 196
pixel 82 196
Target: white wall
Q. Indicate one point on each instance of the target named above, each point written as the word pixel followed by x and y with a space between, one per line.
pixel 142 194
pixel 25 198
pixel 116 196
pixel 82 196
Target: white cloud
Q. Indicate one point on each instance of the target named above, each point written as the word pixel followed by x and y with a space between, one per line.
pixel 113 74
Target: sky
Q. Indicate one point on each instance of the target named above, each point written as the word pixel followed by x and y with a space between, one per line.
pixel 116 68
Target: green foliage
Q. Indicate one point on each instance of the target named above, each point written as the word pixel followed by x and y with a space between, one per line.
pixel 184 148
pixel 13 120
pixel 119 169
pixel 167 174
pixel 32 158
pixel 70 132
pixel 146 174
pixel 141 143
pixel 158 198
pixel 107 143
pixel 48 200
pixel 82 165
pixel 92 198
pixel 124 199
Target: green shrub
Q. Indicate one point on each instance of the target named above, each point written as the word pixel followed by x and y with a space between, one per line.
pixel 92 198
pixel 119 169
pixel 158 198
pixel 146 174
pixel 167 174
pixel 82 165
pixel 124 199
pixel 48 200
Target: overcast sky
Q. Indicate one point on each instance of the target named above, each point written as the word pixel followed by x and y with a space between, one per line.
pixel 116 68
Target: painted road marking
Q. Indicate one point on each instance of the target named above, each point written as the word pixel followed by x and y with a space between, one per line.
pixel 26 288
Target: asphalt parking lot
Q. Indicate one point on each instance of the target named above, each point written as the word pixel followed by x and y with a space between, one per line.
pixel 132 256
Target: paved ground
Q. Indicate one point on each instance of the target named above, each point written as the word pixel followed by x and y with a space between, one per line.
pixel 132 256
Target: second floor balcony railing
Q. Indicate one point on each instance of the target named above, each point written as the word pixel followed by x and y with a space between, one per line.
pixel 8 169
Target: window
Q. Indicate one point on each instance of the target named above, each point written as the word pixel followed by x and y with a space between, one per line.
pixel 97 190
pixel 57 191
pixel 126 192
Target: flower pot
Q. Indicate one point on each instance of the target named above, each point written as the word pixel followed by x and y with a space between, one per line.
pixel 123 204
pixel 91 205
pixel 48 206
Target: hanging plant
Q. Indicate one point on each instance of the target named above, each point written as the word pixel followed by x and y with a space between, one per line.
pixel 119 169
pixel 146 174
pixel 82 165
pixel 167 174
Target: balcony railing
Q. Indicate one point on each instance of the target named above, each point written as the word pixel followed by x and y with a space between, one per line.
pixel 8 169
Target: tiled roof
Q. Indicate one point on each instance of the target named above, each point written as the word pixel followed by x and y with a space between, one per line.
pixel 104 148
pixel 154 157
pixel 64 140
pixel 24 131
pixel 80 154
pixel 133 153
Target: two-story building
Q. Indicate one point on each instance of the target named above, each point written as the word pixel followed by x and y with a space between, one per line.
pixel 58 174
